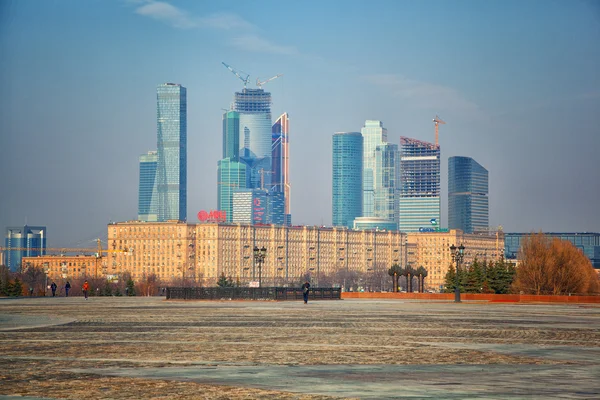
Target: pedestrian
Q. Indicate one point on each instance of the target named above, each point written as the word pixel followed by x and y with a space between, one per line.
pixel 305 289
pixel 127 291
pixel 85 288
pixel 67 288
pixel 30 291
pixel 53 287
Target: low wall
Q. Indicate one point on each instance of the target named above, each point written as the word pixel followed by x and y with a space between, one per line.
pixel 493 298
pixel 245 293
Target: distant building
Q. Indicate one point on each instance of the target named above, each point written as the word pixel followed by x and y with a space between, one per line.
pixel 374 223
pixel 347 182
pixel 280 153
pixel 147 190
pixel 231 135
pixel 419 185
pixel 26 241
pixel 468 189
pixel 587 242
pixel 171 170
pixel 250 206
pixel 374 134
pixel 61 268
pixel 387 182
pixel 231 176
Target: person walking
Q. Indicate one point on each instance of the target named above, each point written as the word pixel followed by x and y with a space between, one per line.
pixel 85 288
pixel 53 287
pixel 305 289
pixel 67 288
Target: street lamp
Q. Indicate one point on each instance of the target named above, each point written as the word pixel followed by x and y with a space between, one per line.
pixel 259 257
pixel 457 256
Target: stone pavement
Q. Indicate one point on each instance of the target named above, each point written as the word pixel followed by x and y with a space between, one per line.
pixel 371 349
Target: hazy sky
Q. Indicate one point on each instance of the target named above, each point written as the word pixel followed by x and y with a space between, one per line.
pixel 518 83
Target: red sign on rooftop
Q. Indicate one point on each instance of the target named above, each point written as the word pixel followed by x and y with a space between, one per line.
pixel 212 216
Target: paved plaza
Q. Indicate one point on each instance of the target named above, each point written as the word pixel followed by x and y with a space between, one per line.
pixel 149 348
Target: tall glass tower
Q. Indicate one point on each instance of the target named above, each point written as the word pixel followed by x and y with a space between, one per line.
pixel 347 193
pixel 231 135
pixel 23 241
pixel 231 176
pixel 374 134
pixel 387 182
pixel 280 154
pixel 419 185
pixel 171 170
pixel 254 107
pixel 468 189
pixel 148 195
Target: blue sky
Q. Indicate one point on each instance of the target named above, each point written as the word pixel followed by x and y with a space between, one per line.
pixel 518 83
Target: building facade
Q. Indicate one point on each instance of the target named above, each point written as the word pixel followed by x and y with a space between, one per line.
pixel 387 182
pixel 347 190
pixel 61 268
pixel 379 224
pixel 23 241
pixel 231 135
pixel 374 134
pixel 171 171
pixel 468 200
pixel 147 189
pixel 419 203
pixel 587 242
pixel 280 153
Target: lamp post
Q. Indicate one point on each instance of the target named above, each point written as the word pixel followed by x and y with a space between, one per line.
pixel 259 257
pixel 457 254
pixel 46 270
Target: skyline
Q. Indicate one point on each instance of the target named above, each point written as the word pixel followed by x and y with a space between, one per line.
pixel 516 83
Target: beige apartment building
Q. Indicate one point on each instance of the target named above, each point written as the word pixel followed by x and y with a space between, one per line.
pixel 59 267
pixel 180 252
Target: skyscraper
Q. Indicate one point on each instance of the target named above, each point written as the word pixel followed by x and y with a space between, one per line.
pixel 373 134
pixel 171 170
pixel 26 241
pixel 147 192
pixel 231 135
pixel 280 157
pixel 254 107
pixel 387 182
pixel 468 189
pixel 231 176
pixel 419 185
pixel 347 193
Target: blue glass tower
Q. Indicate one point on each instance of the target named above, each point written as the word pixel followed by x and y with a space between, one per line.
pixel 374 134
pixel 231 176
pixel 147 193
pixel 419 185
pixel 171 170
pixel 468 202
pixel 386 182
pixel 231 135
pixel 26 241
pixel 347 193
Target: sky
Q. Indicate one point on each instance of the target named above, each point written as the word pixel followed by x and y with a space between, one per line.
pixel 517 82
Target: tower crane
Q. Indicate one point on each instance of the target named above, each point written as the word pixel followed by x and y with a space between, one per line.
pixel 437 120
pixel 238 73
pixel 259 83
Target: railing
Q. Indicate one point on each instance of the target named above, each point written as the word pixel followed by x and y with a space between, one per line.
pixel 245 293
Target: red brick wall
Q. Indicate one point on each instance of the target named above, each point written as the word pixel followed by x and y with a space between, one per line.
pixel 506 298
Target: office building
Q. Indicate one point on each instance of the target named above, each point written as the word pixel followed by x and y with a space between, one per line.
pixel 378 224
pixel 250 206
pixel 374 134
pixel 387 182
pixel 468 202
pixel 231 135
pixel 347 190
pixel 25 241
pixel 587 242
pixel 419 201
pixel 281 157
pixel 171 170
pixel 254 108
pixel 231 176
pixel 147 190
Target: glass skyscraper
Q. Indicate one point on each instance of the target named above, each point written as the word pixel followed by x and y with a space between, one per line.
pixel 387 182
pixel 347 182
pixel 419 185
pixel 231 135
pixel 147 193
pixel 23 241
pixel 231 176
pixel 280 154
pixel 373 134
pixel 171 170
pixel 468 189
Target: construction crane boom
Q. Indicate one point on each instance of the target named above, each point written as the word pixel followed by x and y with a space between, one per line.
pixel 259 83
pixel 237 73
pixel 437 120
